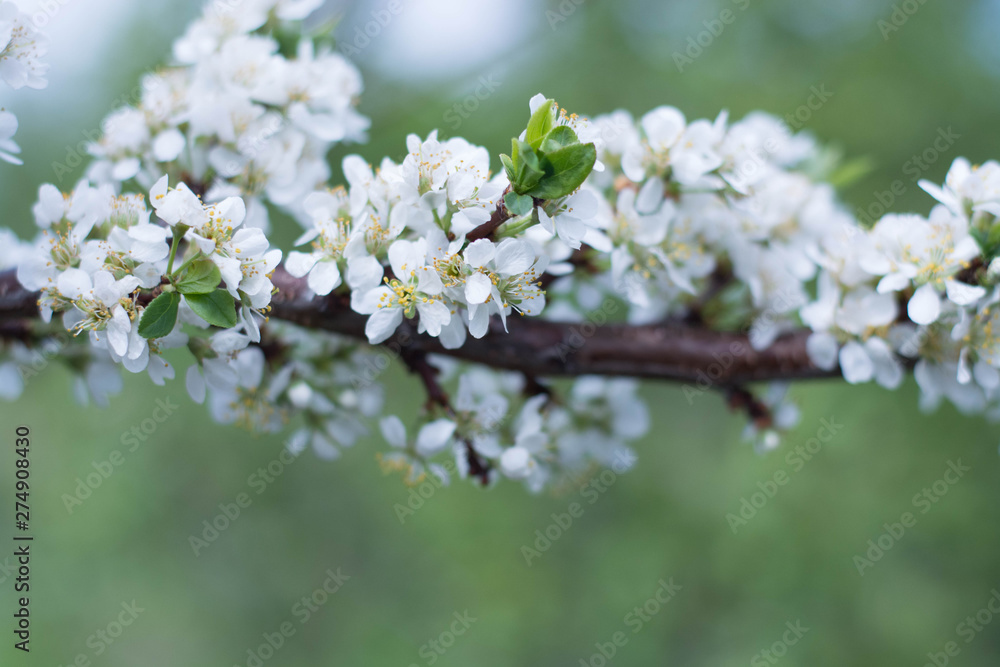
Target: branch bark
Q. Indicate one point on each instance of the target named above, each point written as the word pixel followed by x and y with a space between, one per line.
pixel 666 351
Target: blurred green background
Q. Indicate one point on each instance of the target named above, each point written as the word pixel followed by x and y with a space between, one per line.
pixel 793 561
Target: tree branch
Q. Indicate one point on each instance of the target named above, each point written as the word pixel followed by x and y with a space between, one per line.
pixel 485 230
pixel 666 351
pixel 479 468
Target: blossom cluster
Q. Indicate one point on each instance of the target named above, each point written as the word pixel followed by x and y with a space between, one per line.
pixel 117 276
pixel 496 422
pixel 238 111
pixel 690 204
pixel 728 224
pixel 22 47
pixel 415 217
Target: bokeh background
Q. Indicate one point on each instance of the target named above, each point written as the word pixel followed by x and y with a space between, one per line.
pixel 793 561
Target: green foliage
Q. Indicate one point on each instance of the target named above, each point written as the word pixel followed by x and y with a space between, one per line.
pixel 200 277
pixel 518 204
pixel 550 163
pixel 217 308
pixel 160 315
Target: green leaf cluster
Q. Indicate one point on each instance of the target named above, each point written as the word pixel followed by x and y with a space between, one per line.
pixel 549 163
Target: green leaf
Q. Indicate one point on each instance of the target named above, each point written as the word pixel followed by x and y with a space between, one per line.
pixel 217 308
pixel 565 171
pixel 160 316
pixel 518 204
pixel 201 277
pixel 560 137
pixel 529 169
pixel 851 172
pixel 993 240
pixel 508 165
pixel 541 123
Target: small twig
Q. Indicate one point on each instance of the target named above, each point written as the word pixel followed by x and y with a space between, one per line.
pixel 532 386
pixel 500 216
pixel 416 360
pixel 741 399
pixel 718 281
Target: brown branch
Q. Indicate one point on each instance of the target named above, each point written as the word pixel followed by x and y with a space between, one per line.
pixel 416 360
pixel 741 399
pixel 436 395
pixel 500 216
pixel 665 351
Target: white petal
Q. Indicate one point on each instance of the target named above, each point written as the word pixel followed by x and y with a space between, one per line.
pixel 477 288
pixel 893 282
pixel 324 278
pixel 925 305
pixel 855 363
pixel 126 169
pixel 650 196
pixel 194 381
pixel 168 145
pixel 964 375
pixel 74 283
pixel 300 263
pixel 433 438
pixel 393 431
pixel 433 316
pixel 514 256
pixel 515 462
pixel 118 331
pixel 364 272
pixel 962 294
pixel 986 376
pixel 888 370
pixel 232 272
pixel 148 275
pixel 822 348
pixel 382 324
pixel 50 207
pixel 479 320
pixel 479 253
